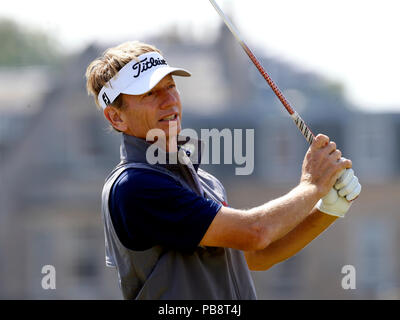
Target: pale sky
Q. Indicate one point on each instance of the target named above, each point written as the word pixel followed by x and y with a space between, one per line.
pixel 354 42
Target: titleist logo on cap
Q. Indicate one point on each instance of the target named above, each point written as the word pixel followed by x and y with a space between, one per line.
pixel 147 64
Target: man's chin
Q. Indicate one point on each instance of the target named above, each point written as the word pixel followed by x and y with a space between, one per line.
pixel 173 130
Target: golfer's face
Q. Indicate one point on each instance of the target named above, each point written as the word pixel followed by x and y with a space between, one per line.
pixel 160 108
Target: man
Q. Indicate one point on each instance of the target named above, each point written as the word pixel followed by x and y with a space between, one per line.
pixel 168 230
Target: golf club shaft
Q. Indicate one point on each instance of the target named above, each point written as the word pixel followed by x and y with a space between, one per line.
pixel 306 132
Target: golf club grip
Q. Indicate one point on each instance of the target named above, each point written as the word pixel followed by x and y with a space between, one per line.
pixel 301 125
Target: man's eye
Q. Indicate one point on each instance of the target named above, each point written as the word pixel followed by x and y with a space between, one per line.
pixel 148 94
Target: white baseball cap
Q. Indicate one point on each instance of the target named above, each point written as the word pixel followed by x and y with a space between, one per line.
pixel 138 77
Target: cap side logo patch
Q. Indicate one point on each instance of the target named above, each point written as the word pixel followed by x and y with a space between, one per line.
pixel 106 99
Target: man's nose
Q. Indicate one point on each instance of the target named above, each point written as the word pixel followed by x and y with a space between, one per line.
pixel 168 99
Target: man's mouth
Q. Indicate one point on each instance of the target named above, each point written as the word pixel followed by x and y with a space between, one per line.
pixel 171 117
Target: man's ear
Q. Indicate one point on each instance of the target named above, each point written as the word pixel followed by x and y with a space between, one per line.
pixel 113 115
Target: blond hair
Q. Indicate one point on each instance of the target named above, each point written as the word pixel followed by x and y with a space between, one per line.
pixel 102 69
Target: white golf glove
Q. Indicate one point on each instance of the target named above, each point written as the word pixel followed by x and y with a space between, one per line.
pixel 338 201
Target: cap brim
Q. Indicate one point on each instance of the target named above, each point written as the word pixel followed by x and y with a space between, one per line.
pixel 150 81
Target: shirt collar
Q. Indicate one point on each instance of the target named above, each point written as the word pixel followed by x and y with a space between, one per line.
pixel 133 149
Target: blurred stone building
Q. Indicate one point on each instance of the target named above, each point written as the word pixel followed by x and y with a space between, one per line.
pixel 56 150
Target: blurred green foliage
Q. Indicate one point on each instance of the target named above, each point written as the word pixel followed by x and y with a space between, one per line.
pixel 20 46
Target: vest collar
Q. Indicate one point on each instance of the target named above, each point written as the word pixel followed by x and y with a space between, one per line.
pixel 133 149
